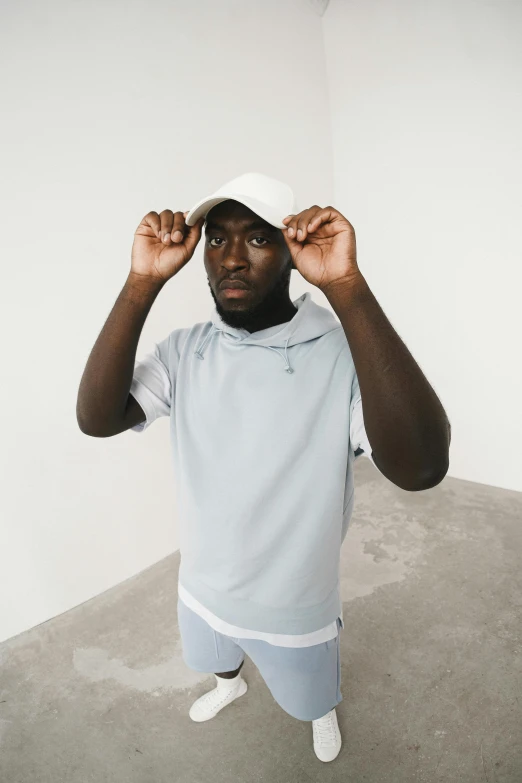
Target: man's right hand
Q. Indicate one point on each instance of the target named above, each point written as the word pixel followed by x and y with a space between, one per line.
pixel 157 256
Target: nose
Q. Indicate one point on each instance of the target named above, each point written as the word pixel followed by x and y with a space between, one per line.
pixel 234 258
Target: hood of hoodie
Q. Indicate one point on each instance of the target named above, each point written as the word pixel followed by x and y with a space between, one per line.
pixel 309 322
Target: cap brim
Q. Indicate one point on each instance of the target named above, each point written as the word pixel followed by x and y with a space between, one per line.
pixel 264 211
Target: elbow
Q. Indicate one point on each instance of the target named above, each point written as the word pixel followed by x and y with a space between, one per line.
pixel 96 434
pixel 87 423
pixel 410 478
pixel 89 430
pixel 82 423
pixel 81 419
pixel 86 430
pixel 434 475
pixel 427 480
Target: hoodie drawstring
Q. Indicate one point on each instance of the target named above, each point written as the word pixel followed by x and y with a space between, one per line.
pixel 199 351
pixel 214 329
pixel 287 366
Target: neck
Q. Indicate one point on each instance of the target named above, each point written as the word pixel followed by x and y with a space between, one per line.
pixel 278 310
pixel 281 315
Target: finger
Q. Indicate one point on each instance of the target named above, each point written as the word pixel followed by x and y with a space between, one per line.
pixel 322 216
pixel 290 234
pixel 298 225
pixel 303 221
pixel 167 219
pixel 294 227
pixel 178 227
pixel 314 222
pixel 153 219
pixel 290 227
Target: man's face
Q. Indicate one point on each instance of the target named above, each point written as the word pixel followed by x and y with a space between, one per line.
pixel 240 245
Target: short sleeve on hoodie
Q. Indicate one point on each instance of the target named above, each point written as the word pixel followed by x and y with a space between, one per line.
pixel 152 384
pixel 358 436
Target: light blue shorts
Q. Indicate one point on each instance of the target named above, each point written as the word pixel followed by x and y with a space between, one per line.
pixel 304 681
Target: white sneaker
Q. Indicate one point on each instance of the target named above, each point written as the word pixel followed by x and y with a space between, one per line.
pixel 208 705
pixel 327 737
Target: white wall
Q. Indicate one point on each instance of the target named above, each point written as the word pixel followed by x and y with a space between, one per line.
pixel 111 110
pixel 427 122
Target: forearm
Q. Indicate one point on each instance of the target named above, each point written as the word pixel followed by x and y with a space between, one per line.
pixel 106 380
pixel 404 419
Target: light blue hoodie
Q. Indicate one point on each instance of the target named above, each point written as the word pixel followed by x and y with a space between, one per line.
pixel 260 428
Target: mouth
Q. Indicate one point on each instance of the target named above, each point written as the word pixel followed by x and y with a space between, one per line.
pixel 235 293
pixel 233 284
pixel 234 289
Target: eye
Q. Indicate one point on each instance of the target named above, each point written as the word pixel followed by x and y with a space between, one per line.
pixel 220 238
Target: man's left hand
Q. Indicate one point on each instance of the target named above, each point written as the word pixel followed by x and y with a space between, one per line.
pixel 325 250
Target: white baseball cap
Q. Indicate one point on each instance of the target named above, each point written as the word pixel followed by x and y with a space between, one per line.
pixel 267 197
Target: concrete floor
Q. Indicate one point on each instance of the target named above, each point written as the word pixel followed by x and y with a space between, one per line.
pixel 431 665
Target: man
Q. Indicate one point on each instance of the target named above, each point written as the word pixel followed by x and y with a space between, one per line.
pixel 266 418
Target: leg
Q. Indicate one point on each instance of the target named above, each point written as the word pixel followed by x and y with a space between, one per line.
pixel 204 649
pixel 305 681
pixel 230 675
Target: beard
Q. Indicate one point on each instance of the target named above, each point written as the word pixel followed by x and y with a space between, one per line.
pixel 247 317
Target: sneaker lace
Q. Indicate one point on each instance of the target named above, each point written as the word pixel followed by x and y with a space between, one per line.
pixel 212 697
pixel 325 729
